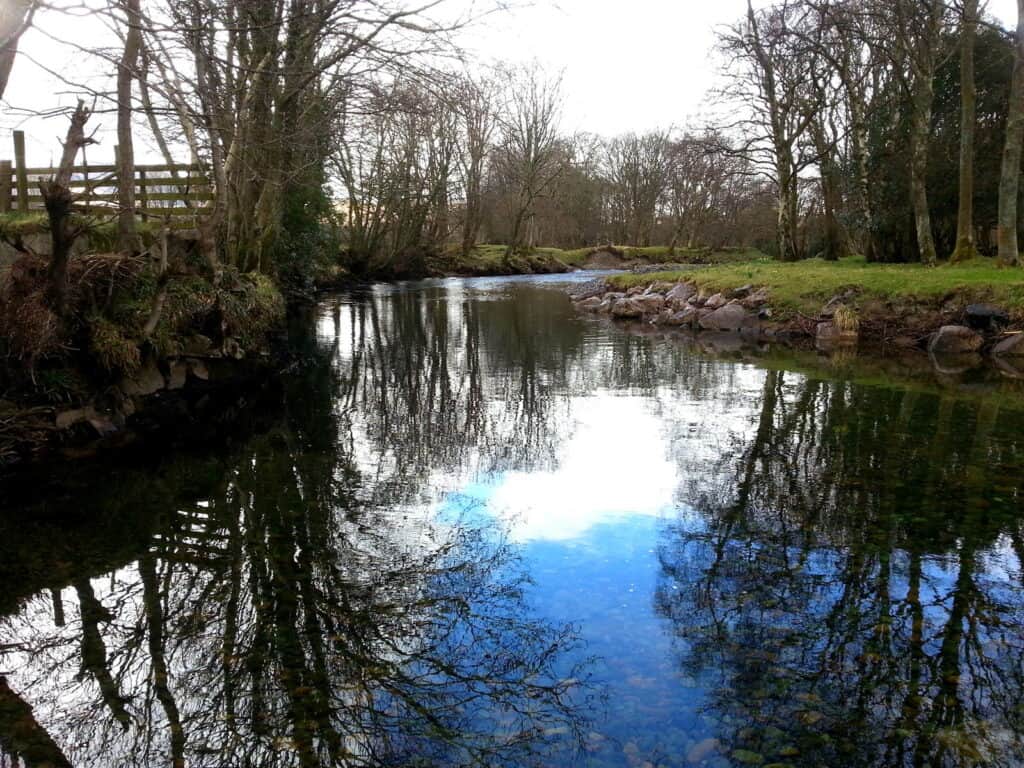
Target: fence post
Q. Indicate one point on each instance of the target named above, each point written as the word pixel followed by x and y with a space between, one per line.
pixel 19 163
pixel 5 186
pixel 143 195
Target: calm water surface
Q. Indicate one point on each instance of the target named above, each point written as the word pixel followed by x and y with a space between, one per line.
pixel 484 531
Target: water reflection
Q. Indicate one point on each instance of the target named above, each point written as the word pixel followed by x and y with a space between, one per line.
pixel 852 592
pixel 478 516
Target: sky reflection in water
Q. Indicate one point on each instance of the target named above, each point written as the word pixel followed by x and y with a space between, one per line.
pixel 484 529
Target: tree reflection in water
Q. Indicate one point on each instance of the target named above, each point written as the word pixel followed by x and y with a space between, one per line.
pixel 297 610
pixel 852 594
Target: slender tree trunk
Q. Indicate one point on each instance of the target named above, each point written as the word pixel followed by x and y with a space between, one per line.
pixel 920 132
pixel 1009 181
pixel 15 18
pixel 58 200
pixel 965 248
pixel 128 236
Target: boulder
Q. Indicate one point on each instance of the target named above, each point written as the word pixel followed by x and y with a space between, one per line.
pixel 680 318
pixel 628 308
pixel 679 295
pixel 1011 346
pixel 716 302
pixel 177 375
pixel 731 317
pixel 147 381
pixel 986 317
pixel 741 292
pixel 661 288
pixel 955 340
pixel 756 299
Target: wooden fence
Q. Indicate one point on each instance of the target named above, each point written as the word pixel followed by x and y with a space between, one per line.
pixel 176 193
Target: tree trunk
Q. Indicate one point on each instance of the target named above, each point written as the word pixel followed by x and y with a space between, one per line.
pixel 1009 181
pixel 15 18
pixel 58 200
pixel 128 236
pixel 965 248
pixel 919 135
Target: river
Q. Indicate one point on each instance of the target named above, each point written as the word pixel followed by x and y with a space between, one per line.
pixel 483 530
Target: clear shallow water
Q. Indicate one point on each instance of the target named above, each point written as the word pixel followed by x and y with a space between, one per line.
pixel 483 530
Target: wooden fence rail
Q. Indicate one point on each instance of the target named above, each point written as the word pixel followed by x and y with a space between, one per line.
pixel 164 192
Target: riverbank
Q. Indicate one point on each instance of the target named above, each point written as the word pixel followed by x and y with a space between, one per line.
pixel 132 345
pixel 490 260
pixel 966 309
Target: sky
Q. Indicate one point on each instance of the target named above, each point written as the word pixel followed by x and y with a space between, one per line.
pixel 632 66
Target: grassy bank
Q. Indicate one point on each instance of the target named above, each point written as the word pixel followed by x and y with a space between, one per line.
pixel 490 259
pixel 804 286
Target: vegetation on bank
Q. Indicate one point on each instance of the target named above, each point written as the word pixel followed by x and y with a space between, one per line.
pixel 803 286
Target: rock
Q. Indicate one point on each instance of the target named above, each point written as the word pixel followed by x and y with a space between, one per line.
pixel 233 349
pixel 741 292
pixel 197 344
pixel 178 374
pixel 103 425
pixel 67 419
pixel 954 340
pixel 702 750
pixel 986 317
pixel 716 302
pixel 627 309
pixel 684 317
pixel 638 306
pixel 680 295
pixel 590 304
pixel 731 317
pixel 147 381
pixel 1011 367
pixel 661 288
pixel 828 332
pixel 198 369
pixel 614 296
pixel 636 291
pixel 1011 346
pixel 756 299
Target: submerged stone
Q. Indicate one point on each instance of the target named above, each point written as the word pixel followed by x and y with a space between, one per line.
pixel 955 339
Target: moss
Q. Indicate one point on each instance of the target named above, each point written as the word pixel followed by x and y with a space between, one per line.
pixel 803 286
pixel 100 234
pixel 14 225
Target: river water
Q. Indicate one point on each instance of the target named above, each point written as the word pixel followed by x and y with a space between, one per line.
pixel 483 530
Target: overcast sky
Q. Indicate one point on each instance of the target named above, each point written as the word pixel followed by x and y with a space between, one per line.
pixel 627 66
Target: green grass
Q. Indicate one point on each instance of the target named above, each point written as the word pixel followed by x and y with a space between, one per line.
pixel 101 233
pixel 803 286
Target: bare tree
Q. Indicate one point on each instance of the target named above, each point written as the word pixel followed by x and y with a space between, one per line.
pixel 530 156
pixel 476 106
pixel 638 169
pixel 127 71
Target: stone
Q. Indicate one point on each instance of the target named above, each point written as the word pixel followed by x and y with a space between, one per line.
pixel 590 304
pixel 177 375
pixel 680 294
pixel 986 317
pixel 683 317
pixel 1011 346
pixel 638 306
pixel 198 369
pixel 731 317
pixel 702 750
pixel 661 288
pixel 67 419
pixel 955 340
pixel 756 299
pixel 741 293
pixel 636 291
pixel 828 332
pixel 147 381
pixel 197 344
pixel 716 302
pixel 627 309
